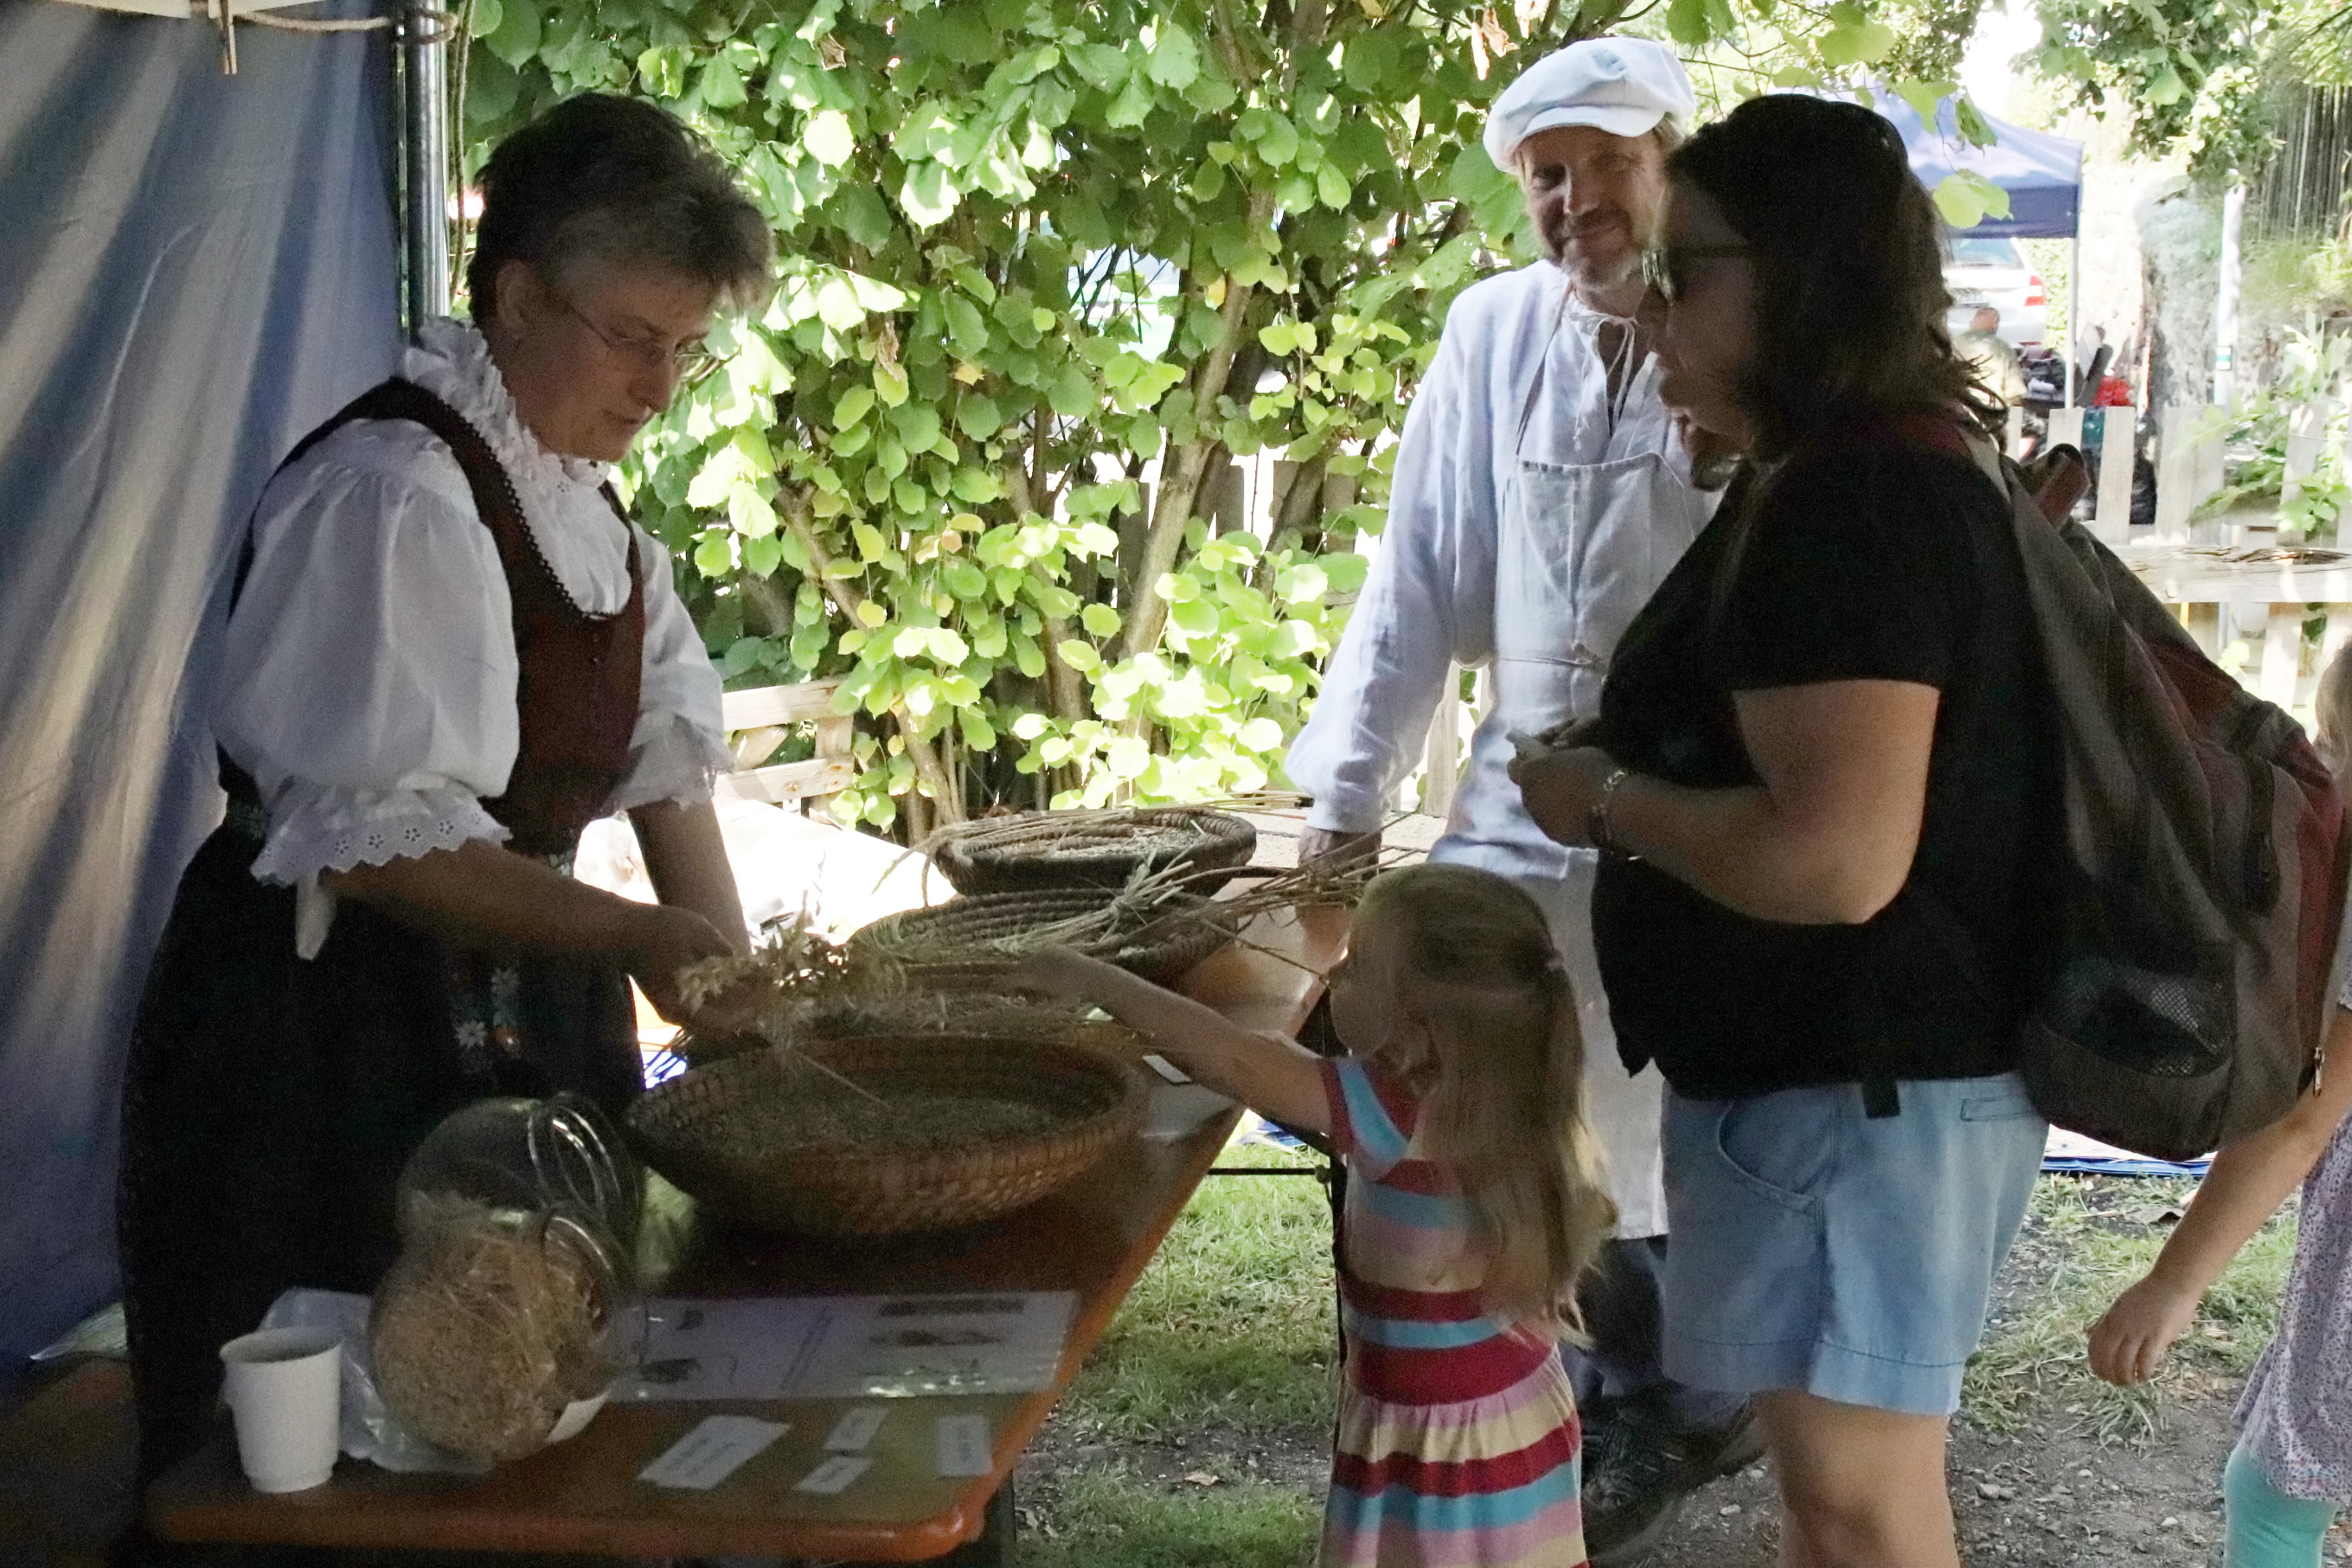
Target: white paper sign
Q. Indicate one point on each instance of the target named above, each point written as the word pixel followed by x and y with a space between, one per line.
pixel 856 1429
pixel 715 1449
pixel 852 1347
pixel 835 1476
pixel 960 1446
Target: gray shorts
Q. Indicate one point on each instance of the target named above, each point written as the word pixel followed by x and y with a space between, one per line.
pixel 1818 1248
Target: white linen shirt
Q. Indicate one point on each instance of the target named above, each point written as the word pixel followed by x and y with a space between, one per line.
pixel 370 674
pixel 1429 599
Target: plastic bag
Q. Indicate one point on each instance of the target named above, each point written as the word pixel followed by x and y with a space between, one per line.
pixel 370 1430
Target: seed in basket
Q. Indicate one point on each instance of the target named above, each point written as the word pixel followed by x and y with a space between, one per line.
pixel 849 1118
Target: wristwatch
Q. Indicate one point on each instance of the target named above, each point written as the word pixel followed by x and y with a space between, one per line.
pixel 1596 816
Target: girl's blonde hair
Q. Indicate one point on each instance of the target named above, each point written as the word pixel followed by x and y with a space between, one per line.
pixel 2332 714
pixel 1504 1100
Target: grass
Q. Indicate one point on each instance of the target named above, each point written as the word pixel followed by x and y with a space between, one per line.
pixel 1109 1519
pixel 1233 1326
pixel 2084 1234
pixel 1226 1348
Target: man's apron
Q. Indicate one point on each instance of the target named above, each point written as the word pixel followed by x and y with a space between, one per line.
pixel 1580 548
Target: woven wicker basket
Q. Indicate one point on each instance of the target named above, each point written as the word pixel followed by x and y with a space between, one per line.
pixel 1092 849
pixel 971 942
pixel 1097 1105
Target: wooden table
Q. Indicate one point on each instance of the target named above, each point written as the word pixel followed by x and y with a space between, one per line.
pixel 1093 1237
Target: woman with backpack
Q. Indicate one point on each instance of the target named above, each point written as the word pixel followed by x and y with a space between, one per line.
pixel 1822 781
pixel 2291 1471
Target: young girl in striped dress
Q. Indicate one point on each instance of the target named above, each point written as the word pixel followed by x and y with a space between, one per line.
pixel 1473 1203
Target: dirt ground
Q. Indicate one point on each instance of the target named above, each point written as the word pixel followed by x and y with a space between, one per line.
pixel 2049 1495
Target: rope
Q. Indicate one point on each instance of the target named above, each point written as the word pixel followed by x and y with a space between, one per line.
pixel 209 10
pixel 302 25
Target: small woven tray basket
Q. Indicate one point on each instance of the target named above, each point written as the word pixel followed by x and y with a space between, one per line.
pixel 971 942
pixel 835 1191
pixel 1092 849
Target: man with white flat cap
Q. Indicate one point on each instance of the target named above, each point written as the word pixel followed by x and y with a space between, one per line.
pixel 1541 493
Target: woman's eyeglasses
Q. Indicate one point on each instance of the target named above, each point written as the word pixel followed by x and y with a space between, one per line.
pixel 1667 267
pixel 692 362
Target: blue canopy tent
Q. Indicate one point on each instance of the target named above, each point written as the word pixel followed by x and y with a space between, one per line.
pixel 195 269
pixel 2041 174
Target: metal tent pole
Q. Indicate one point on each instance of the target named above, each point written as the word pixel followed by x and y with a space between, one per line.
pixel 2074 313
pixel 425 150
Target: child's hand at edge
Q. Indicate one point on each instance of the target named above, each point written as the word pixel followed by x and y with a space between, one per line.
pixel 2132 1340
pixel 1062 972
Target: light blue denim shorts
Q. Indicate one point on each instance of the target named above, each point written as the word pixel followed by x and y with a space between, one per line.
pixel 1816 1248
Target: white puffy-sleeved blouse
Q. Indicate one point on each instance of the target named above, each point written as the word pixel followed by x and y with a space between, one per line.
pixel 369 672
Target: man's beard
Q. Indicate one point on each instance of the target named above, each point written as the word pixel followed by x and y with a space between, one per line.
pixel 1589 273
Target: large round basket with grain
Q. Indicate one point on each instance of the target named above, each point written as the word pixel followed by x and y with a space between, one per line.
pixel 1093 849
pixel 871 1138
pixel 970 944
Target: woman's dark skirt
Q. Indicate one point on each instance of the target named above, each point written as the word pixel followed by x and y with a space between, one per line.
pixel 271 1102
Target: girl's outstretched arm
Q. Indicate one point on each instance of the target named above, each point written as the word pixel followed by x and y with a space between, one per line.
pixel 1277 1078
pixel 2248 1182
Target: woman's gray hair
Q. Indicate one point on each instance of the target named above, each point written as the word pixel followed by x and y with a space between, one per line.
pixel 606 180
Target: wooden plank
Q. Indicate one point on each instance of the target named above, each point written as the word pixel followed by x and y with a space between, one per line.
pixel 2065 428
pixel 2183 575
pixel 1094 1236
pixel 2281 654
pixel 753 746
pixel 2117 448
pixel 787 781
pixel 761 706
pixel 2181 469
pixel 2306 433
pixel 2204 623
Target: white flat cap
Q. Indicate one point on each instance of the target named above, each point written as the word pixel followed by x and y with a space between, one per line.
pixel 1622 86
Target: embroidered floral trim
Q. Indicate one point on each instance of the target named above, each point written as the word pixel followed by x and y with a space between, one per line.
pixel 676 761
pixel 315 828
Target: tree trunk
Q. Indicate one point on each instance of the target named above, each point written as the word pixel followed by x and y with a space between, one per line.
pixel 1180 488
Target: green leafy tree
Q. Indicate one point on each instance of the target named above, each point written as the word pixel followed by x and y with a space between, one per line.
pixel 1050 266
pixel 2188 75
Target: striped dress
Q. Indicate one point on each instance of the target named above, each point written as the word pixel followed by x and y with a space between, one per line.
pixel 1457 1445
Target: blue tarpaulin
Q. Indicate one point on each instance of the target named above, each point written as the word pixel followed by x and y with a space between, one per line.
pixel 195 269
pixel 2042 173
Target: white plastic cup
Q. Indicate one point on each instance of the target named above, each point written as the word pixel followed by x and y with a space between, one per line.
pixel 285 1388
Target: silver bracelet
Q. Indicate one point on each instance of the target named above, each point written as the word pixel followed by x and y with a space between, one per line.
pixel 1596 817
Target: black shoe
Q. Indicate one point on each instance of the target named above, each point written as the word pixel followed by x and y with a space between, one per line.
pixel 1638 1474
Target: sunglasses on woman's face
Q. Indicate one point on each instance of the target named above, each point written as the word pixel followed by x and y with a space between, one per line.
pixel 1668 268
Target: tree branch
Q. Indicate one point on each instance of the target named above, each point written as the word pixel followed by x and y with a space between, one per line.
pixel 1180 486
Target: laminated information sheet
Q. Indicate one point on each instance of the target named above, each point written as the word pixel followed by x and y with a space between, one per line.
pixel 852 1347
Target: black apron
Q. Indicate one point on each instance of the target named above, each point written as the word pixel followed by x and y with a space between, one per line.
pixel 270 1101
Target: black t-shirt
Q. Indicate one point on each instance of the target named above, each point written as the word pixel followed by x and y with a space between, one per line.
pixel 1877 560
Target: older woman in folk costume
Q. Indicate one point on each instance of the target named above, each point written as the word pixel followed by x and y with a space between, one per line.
pixel 1541 493
pixel 449 653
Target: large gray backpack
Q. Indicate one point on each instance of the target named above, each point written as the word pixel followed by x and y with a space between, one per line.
pixel 2198 904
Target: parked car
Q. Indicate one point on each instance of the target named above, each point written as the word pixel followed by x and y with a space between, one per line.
pixel 1995 272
